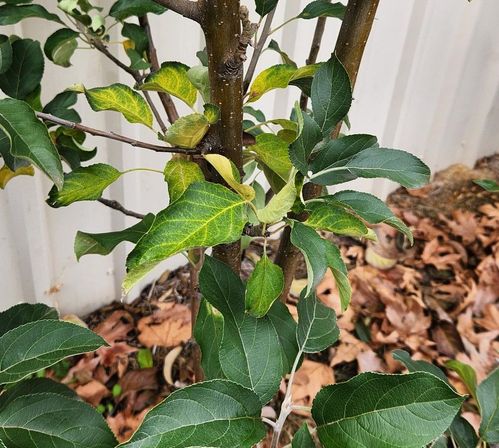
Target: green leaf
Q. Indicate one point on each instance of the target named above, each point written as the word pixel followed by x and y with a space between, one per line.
pixel 396 165
pixel 41 413
pixel 199 77
pixel 488 399
pixel 379 411
pixel 323 8
pixel 144 359
pixel 188 131
pixel 275 77
pixel 336 153
pixel 301 149
pixel 60 46
pixel 317 329
pixel 334 218
pixel 230 175
pixel 6 174
pixel 123 9
pixel 60 106
pixel 26 71
pixel 256 113
pixel 418 366
pixel 302 438
pixel 279 205
pixel 250 353
pixel 69 143
pixel 263 7
pixel 273 45
pixel 264 286
pixel 463 433
pixel 372 209
pixel 104 243
pixel 207 214
pixel 273 152
pixel 208 333
pixel 216 413
pixel 179 174
pixel 340 273
pixel 285 327
pixel 320 254
pixel 36 345
pixel 5 53
pixel 83 184
pixel 11 14
pixel 172 78
pixel 24 313
pixel 123 99
pixel 466 373
pixel 137 35
pixel 331 95
pixel 27 138
pixel 487 184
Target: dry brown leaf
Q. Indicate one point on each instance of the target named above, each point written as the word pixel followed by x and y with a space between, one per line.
pixel 168 327
pixel 309 380
pixel 115 327
pixel 124 424
pixel 369 361
pixel 138 380
pixel 93 392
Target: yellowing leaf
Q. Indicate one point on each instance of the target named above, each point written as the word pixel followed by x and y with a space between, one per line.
pixel 279 205
pixel 83 184
pixel 229 173
pixel 188 131
pixel 179 174
pixel 6 174
pixel 172 78
pixel 123 99
pixel 273 152
pixel 275 77
pixel 206 214
pixel 278 77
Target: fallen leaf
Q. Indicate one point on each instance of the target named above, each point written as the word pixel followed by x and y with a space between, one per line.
pixel 93 392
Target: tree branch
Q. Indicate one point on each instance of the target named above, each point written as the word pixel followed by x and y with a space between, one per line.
pixel 352 39
pixel 165 98
pixel 186 8
pixel 258 50
pixel 314 52
pixel 117 206
pixel 114 136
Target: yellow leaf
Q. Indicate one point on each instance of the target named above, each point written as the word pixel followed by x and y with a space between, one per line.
pixel 6 174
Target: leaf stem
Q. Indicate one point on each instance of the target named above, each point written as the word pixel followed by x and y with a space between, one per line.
pixel 114 136
pixel 287 406
pixel 283 24
pixel 131 170
pixel 117 206
pixel 268 421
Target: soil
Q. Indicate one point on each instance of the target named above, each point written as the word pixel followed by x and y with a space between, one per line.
pixel 438 299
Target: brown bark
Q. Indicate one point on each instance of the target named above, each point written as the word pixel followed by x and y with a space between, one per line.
pixel 349 49
pixel 222 29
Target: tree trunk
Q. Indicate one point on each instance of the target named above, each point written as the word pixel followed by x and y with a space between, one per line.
pixel 222 29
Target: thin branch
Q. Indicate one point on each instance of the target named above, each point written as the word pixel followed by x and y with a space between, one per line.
pixel 155 112
pixel 186 8
pixel 117 206
pixel 258 50
pixel 135 74
pixel 314 51
pixel 114 136
pixel 165 98
pixel 103 49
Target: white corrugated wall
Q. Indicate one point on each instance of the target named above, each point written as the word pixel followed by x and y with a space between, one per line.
pixel 428 84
